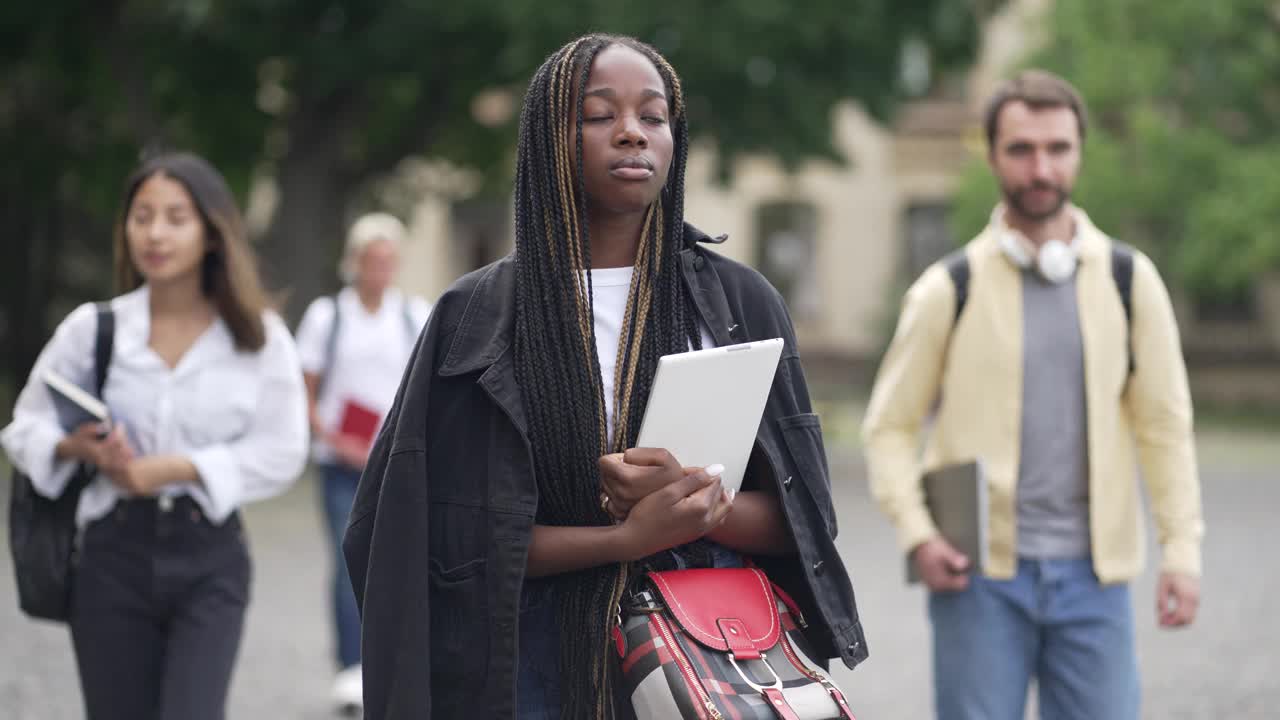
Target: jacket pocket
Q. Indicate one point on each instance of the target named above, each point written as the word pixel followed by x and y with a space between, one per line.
pixel 459 628
pixel 803 437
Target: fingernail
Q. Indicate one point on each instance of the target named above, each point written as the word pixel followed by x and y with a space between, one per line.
pixel 715 470
pixel 732 495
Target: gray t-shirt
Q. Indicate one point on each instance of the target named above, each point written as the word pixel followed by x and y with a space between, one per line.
pixel 1053 474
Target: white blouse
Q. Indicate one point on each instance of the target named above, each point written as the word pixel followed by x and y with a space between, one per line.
pixel 239 417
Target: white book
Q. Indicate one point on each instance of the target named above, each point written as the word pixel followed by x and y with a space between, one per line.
pixel 729 387
pixel 75 405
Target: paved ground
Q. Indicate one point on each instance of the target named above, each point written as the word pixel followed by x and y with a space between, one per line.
pixel 1227 667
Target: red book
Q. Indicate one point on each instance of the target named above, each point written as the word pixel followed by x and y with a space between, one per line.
pixel 360 421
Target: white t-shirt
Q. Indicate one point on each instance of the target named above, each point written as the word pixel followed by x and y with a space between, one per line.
pixel 369 358
pixel 609 287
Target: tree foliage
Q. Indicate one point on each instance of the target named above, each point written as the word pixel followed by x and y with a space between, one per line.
pixel 328 97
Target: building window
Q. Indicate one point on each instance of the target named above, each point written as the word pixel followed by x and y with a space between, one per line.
pixel 787 253
pixel 928 235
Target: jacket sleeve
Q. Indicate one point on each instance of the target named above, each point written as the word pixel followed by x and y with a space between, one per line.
pixel 386 549
pixel 1159 404
pixel 906 387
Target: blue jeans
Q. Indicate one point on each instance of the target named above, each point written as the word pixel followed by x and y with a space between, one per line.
pixel 339 492
pixel 538 667
pixel 1053 621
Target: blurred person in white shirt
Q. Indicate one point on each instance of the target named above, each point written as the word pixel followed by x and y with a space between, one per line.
pixel 354 347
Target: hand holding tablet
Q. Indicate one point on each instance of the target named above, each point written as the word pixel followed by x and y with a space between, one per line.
pixel 704 410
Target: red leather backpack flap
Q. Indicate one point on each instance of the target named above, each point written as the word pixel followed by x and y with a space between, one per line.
pixel 714 606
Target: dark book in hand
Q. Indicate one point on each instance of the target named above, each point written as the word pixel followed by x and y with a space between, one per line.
pixel 75 405
pixel 956 496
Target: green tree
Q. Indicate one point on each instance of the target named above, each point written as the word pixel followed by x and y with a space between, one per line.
pixel 1184 98
pixel 328 98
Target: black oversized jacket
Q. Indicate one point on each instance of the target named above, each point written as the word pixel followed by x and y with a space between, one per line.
pixel 440 528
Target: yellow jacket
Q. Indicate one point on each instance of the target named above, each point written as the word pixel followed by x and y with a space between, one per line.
pixel 972 375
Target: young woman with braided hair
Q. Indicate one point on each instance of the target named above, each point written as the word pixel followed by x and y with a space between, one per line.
pixel 504 505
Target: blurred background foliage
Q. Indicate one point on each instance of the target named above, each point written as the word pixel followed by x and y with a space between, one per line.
pixel 326 99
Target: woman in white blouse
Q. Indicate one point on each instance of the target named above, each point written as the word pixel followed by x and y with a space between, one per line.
pixel 205 387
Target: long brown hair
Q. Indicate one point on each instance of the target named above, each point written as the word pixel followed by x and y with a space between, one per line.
pixel 228 273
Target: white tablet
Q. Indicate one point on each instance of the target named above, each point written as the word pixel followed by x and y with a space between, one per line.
pixel 705 405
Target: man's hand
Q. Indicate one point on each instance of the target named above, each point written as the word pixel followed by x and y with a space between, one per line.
pixel 1177 599
pixel 941 566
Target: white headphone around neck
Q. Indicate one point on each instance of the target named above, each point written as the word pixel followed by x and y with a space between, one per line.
pixel 1055 261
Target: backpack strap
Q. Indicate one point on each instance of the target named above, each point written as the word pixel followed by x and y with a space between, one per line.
pixel 957 264
pixel 103 345
pixel 330 346
pixel 1122 273
pixel 410 327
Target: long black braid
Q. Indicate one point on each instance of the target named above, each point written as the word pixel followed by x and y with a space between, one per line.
pixel 555 351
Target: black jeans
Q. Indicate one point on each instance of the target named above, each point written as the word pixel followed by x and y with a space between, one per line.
pixel 157 609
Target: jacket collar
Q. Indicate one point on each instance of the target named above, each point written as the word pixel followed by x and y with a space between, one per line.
pixel 487 327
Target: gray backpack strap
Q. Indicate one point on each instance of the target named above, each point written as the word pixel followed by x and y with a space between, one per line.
pixel 330 346
pixel 1122 273
pixel 410 327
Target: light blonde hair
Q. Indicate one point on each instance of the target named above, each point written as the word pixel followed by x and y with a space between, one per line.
pixel 365 231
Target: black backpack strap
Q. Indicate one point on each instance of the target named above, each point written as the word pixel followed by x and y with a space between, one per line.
pixel 1122 273
pixel 957 263
pixel 103 345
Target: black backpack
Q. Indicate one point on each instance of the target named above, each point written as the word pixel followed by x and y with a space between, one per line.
pixel 957 264
pixel 42 532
